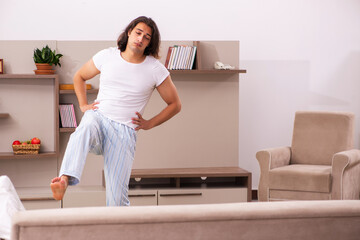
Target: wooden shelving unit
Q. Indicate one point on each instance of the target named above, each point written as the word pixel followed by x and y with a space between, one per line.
pixel 28 78
pixel 191 179
pixel 180 179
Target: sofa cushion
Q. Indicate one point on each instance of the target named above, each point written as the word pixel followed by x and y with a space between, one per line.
pixel 289 195
pixel 317 136
pixel 301 177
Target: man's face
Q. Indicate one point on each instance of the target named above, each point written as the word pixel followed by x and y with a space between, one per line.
pixel 139 37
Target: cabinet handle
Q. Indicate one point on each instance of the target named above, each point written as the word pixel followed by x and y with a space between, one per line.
pixel 142 195
pixel 179 194
pixel 38 199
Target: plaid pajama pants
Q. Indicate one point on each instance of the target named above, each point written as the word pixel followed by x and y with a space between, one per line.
pixel 102 136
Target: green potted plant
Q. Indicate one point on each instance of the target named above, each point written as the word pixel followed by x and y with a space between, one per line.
pixel 44 60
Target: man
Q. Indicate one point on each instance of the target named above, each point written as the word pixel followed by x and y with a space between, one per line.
pixel 128 76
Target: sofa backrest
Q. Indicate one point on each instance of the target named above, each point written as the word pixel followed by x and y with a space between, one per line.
pixel 317 136
pixel 253 220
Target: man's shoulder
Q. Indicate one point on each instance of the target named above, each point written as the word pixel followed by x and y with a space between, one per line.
pixel 153 61
pixel 111 50
pixel 151 58
pixel 104 56
pixel 108 51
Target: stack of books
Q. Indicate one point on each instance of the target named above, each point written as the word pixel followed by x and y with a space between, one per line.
pixel 67 116
pixel 180 57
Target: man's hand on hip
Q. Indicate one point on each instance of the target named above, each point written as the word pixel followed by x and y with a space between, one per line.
pixel 141 122
pixel 91 106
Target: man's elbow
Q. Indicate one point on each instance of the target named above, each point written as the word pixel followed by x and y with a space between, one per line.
pixel 78 77
pixel 177 107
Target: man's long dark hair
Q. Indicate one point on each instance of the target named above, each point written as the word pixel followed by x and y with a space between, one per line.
pixel 154 45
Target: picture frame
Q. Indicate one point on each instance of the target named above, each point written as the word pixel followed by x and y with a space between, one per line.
pixel 1 66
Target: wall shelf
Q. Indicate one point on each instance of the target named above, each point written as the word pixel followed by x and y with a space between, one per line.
pixel 67 130
pixel 207 71
pixel 10 155
pixel 27 76
pixel 73 91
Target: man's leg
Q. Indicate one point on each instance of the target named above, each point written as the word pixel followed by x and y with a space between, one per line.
pixel 119 150
pixel 86 137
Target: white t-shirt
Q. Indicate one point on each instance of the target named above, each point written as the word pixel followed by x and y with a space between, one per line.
pixel 125 88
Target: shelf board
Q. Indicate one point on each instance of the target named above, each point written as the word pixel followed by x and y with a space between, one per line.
pixel 26 76
pixel 67 130
pixel 189 172
pixel 11 155
pixel 209 71
pixel 4 115
pixel 73 91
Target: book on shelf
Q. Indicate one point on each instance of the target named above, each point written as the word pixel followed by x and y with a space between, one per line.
pixel 191 60
pixel 185 63
pixel 176 57
pixel 168 57
pixel 67 116
pixel 180 57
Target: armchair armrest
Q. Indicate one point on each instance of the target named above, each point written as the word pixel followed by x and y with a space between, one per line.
pixel 345 174
pixel 274 157
pixel 269 159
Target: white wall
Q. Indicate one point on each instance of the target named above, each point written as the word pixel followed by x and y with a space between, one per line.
pixel 300 54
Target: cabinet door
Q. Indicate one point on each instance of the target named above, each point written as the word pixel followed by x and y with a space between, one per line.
pixel 201 196
pixel 40 204
pixel 84 197
pixel 142 197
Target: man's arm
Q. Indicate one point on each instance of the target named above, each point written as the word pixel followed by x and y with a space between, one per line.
pixel 168 93
pixel 86 72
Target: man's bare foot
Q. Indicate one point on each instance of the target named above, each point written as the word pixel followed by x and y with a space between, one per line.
pixel 58 186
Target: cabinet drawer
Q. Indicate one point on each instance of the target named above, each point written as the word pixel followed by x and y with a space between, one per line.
pixel 40 203
pixel 201 196
pixel 142 197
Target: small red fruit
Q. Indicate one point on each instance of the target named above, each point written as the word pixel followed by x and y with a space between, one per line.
pixel 35 140
pixel 24 143
pixel 17 142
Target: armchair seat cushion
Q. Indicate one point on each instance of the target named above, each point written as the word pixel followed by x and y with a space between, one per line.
pixel 301 177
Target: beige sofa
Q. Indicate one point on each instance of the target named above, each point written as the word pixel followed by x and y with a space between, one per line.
pixel 254 220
